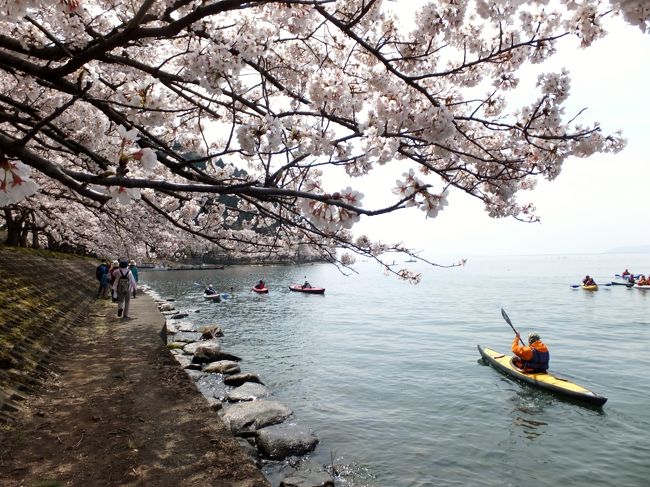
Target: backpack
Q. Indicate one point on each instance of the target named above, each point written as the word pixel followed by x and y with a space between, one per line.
pixel 123 283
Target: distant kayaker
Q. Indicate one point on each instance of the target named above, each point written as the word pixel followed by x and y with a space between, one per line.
pixel 210 290
pixel 260 285
pixel 625 273
pixel 533 358
pixel 306 285
pixel 588 281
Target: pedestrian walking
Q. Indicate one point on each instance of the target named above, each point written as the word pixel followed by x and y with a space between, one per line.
pixel 123 286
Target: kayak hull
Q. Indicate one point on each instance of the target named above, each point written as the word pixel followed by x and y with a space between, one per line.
pixel 263 290
pixel 546 380
pixel 619 283
pixel 590 288
pixel 642 286
pixel 213 297
pixel 307 290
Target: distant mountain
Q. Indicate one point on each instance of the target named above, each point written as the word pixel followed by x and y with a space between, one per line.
pixel 632 249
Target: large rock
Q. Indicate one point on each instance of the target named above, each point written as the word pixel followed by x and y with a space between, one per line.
pixel 210 331
pixel 193 347
pixel 244 418
pixel 280 441
pixel 166 307
pixel 308 474
pixel 211 386
pixel 222 367
pixel 239 379
pixel 187 337
pixel 204 355
pixel 249 391
pixel 190 327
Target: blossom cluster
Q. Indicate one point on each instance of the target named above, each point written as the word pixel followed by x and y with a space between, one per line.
pixel 417 194
pixel 15 182
pixel 329 217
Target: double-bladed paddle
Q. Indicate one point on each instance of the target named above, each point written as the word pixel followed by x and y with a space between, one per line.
pixel 505 317
pixel 576 286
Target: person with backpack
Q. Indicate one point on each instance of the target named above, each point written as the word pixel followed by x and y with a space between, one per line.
pixel 100 271
pixel 123 285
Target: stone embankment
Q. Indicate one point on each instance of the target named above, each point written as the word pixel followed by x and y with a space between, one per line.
pixel 42 300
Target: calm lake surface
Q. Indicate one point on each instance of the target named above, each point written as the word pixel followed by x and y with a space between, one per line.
pixel 388 375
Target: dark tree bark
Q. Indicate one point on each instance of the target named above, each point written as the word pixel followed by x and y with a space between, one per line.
pixel 15 223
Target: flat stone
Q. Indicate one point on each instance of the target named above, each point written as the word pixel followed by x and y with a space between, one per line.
pixel 239 379
pixel 192 347
pixel 222 367
pixel 307 474
pixel 280 441
pixel 244 418
pixel 249 391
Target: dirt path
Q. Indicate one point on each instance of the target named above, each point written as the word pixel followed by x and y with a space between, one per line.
pixel 118 411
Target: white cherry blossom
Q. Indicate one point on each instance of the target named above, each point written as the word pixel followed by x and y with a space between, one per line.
pixel 226 129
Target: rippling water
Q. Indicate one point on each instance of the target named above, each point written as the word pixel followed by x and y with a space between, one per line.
pixel 389 377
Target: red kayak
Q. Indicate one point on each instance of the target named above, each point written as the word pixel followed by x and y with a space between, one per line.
pixel 262 290
pixel 309 290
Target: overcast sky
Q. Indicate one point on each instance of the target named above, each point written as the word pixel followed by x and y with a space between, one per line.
pixel 596 204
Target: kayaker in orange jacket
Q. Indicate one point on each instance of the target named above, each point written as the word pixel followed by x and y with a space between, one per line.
pixel 535 357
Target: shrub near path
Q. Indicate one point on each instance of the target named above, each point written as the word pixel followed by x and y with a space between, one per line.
pixel 107 405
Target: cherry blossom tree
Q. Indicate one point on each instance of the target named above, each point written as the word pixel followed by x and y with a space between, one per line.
pixel 170 126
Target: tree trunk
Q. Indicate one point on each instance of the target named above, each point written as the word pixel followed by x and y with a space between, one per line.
pixel 14 228
pixel 35 244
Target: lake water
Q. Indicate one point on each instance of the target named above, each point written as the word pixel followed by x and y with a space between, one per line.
pixel 388 375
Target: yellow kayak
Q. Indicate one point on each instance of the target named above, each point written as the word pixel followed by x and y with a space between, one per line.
pixel 591 288
pixel 544 380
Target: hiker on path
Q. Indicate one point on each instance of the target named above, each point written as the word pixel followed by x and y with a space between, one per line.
pixel 100 273
pixel 123 286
